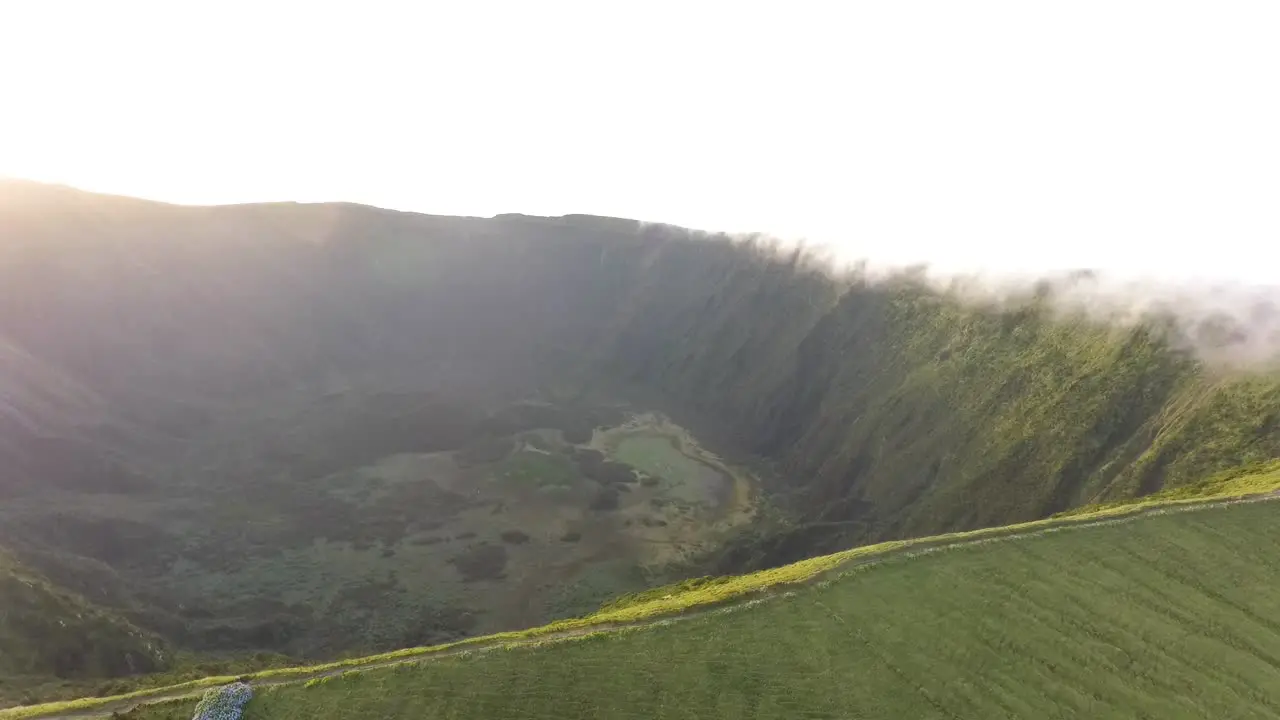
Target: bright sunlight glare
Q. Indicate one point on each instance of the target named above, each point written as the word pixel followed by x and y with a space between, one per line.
pixel 1134 136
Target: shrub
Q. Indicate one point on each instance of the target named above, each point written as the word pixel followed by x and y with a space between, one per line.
pixel 481 562
pixel 487 450
pixel 515 537
pixel 224 703
pixel 578 432
pixel 606 472
pixel 606 499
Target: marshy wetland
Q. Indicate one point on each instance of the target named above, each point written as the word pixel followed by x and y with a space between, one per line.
pixel 507 530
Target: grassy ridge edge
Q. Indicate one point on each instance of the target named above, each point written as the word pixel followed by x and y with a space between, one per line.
pixel 1251 482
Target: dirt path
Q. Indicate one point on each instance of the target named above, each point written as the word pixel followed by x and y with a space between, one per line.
pixel 126 705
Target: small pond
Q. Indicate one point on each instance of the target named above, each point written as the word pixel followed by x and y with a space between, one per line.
pixel 688 479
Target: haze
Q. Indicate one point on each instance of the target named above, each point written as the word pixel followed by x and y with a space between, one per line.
pixel 1136 137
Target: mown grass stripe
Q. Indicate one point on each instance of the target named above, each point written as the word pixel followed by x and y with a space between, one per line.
pixel 1160 616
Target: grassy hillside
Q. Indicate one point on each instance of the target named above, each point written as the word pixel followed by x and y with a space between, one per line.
pixel 46 632
pixel 1164 614
pixel 1109 537
pixel 307 429
pixel 897 409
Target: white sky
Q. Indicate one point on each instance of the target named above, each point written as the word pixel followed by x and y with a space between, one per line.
pixel 1140 137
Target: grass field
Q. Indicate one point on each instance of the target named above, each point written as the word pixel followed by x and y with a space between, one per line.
pixel 1163 616
pixel 1166 608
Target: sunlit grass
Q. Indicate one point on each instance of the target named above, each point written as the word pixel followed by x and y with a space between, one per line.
pixel 703 594
pixel 1162 615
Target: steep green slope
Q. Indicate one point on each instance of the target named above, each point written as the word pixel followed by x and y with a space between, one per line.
pixel 1164 615
pixel 895 409
pixel 885 401
pixel 48 632
pixel 235 425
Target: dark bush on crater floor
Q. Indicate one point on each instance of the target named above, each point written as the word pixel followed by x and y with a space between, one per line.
pixel 481 562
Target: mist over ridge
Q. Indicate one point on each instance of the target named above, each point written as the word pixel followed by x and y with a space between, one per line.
pixel 1228 322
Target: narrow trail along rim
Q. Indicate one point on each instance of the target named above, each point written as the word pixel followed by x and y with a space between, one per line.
pixel 109 707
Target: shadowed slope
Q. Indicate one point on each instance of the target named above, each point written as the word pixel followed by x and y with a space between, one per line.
pixel 188 393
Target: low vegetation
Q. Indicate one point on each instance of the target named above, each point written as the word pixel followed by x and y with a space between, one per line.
pixel 1223 502
pixel 1163 613
pixel 322 431
pixel 48 632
